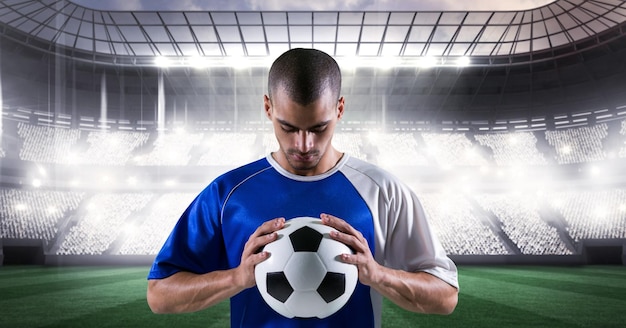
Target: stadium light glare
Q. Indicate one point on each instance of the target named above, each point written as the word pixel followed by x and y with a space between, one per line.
pixel 36 183
pixel 198 62
pixel 566 149
pixel 463 61
pixel 162 62
pixel 132 181
pixel 42 171
pixel 427 62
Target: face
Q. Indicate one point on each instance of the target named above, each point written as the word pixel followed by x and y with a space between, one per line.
pixel 304 133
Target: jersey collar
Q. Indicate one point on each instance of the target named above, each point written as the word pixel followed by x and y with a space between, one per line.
pixel 307 178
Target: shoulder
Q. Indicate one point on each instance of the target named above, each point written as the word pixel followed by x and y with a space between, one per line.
pixel 369 172
pixel 228 181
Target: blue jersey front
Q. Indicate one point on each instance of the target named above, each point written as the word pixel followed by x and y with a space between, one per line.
pixel 212 232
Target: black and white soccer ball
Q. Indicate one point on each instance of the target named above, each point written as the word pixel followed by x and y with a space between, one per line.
pixel 304 277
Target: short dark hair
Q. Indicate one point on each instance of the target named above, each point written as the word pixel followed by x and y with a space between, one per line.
pixel 305 74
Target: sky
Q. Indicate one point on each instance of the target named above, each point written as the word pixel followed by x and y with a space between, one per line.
pixel 309 5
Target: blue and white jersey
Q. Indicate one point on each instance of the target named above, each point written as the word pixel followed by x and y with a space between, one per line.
pixel 212 232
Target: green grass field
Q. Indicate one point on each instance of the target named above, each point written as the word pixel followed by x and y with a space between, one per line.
pixel 505 296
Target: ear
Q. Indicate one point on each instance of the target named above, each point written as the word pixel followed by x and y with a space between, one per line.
pixel 267 104
pixel 340 106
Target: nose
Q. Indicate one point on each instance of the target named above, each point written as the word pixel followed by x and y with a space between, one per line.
pixel 304 141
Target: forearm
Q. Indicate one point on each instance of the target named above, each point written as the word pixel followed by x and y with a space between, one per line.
pixel 189 292
pixel 416 291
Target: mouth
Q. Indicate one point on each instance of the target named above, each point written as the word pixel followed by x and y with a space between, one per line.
pixel 303 157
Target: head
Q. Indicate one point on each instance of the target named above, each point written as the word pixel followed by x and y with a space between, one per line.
pixel 304 106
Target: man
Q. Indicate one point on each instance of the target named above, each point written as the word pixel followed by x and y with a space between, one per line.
pixel 211 254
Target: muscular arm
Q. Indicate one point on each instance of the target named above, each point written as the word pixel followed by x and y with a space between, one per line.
pixel 416 291
pixel 188 292
pixel 413 291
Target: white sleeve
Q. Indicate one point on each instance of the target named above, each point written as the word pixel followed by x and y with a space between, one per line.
pixel 404 239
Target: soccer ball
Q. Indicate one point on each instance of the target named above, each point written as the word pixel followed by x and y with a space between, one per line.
pixel 303 276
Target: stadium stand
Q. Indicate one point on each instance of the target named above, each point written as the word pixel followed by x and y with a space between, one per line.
pixel 453 149
pixel 35 214
pixel 397 149
pixel 228 149
pixel 170 149
pixel 579 145
pixel 97 228
pixel 351 143
pixel 483 223
pixel 44 144
pixel 594 214
pixel 622 132
pixel 149 236
pixel 513 148
pixel 519 215
pixel 111 148
pixel 459 230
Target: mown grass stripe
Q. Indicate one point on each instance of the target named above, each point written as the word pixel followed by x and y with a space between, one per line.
pixel 64 284
pixel 40 275
pixel 581 287
pixel 137 314
pixel 472 311
pixel 570 306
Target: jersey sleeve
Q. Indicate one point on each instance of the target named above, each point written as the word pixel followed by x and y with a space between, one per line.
pixel 404 239
pixel 411 244
pixel 195 243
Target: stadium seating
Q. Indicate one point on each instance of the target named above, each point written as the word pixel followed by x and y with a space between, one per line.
pixel 397 149
pixel 579 145
pixel 480 223
pixel 453 149
pixel 34 214
pixel 513 148
pixel 519 215
pixel 149 236
pixel 44 144
pixel 228 149
pixel 593 214
pixel 111 148
pixel 458 228
pixel 622 132
pixel 170 149
pixel 102 222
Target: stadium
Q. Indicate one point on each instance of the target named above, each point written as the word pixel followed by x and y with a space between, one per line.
pixel 509 125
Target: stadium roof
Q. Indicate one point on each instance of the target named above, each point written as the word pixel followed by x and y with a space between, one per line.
pixel 138 37
pixel 568 53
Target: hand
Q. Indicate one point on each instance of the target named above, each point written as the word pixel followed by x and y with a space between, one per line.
pixel 263 235
pixel 368 268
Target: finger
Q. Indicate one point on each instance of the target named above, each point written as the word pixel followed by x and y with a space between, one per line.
pixel 269 226
pixel 340 225
pixel 260 242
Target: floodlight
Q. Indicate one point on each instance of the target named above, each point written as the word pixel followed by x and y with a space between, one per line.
pixel 162 62
pixel 37 183
pixel 463 61
pixel 198 62
pixel 426 62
